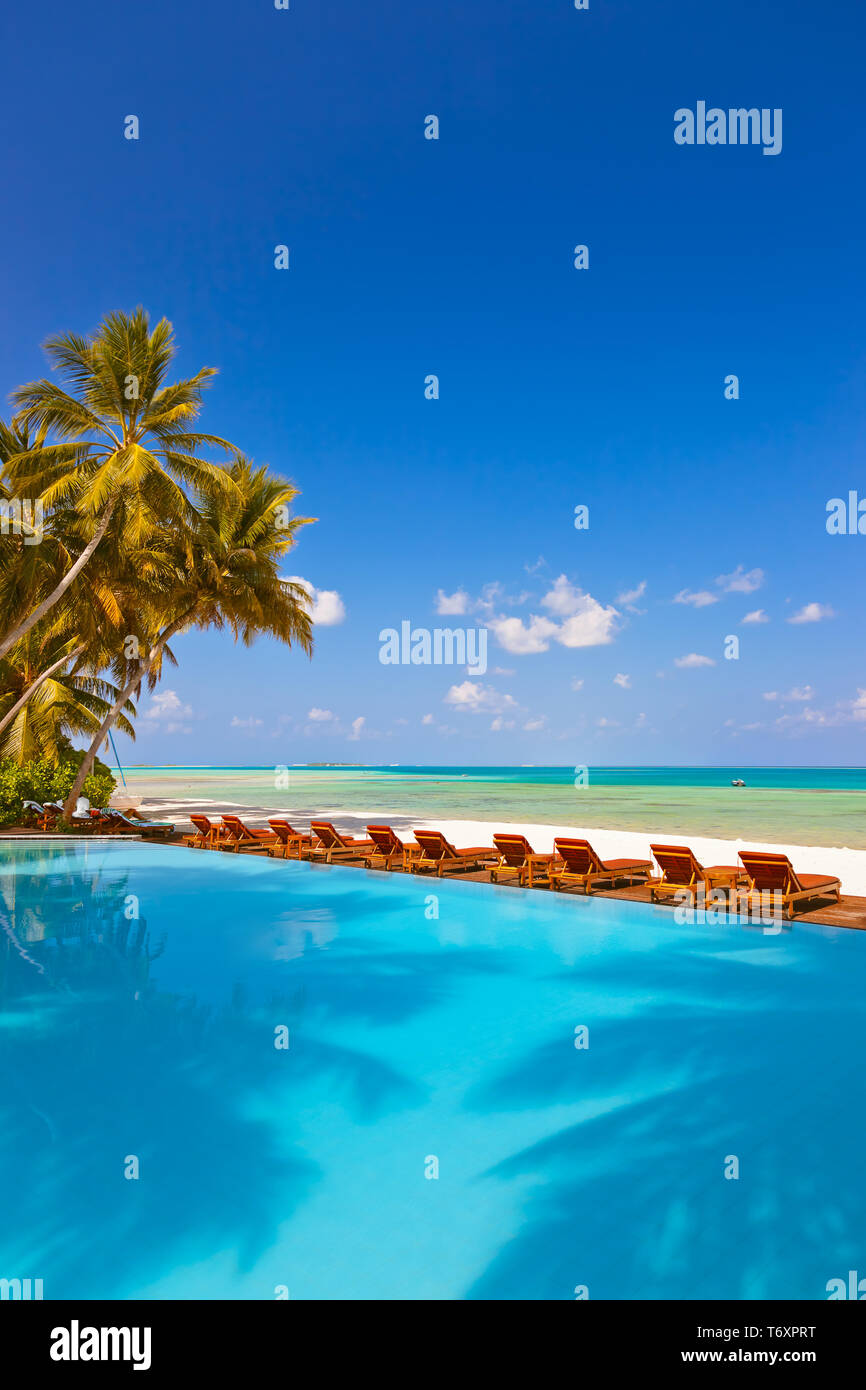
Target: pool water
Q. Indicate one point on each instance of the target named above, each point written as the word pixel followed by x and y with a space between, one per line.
pixel 430 1025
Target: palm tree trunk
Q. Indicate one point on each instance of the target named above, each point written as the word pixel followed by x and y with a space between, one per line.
pixel 57 593
pixel 40 680
pixel 102 733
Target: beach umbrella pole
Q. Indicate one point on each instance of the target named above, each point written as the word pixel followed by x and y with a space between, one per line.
pixel 117 760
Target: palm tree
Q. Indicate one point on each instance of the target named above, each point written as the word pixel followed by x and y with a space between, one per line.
pixel 82 631
pixel 14 672
pixel 123 452
pixel 225 575
pixel 43 703
pixel 29 571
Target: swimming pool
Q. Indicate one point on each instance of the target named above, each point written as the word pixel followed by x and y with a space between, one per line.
pixel 413 1037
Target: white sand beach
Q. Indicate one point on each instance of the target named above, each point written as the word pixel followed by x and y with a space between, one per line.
pixel 849 865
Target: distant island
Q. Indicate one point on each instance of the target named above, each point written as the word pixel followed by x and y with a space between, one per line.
pixel 329 764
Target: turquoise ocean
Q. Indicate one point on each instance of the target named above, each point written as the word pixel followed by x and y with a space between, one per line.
pixel 795 805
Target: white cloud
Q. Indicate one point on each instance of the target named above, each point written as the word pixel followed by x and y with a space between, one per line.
pixel 701 599
pixel 604 723
pixel 478 698
pixel 741 581
pixel 771 695
pixel 503 671
pixel 320 715
pixel 592 626
pixel 326 606
pixel 844 712
pixel 806 718
pixel 458 602
pixel 428 719
pixel 523 639
pixel 587 623
pixel 532 725
pixel 357 726
pixel 250 723
pixel 167 704
pixel 491 594
pixel 692 660
pixel 757 615
pixel 577 684
pixel 631 596
pixel 858 706
pixel 563 598
pixel 623 681
pixel 499 724
pixel 812 613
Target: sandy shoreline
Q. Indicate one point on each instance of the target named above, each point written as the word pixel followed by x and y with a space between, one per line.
pixel 849 865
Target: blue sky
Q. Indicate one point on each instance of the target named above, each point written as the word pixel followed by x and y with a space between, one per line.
pixel 558 387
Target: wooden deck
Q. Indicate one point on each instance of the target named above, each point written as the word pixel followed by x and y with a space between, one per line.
pixel 850 912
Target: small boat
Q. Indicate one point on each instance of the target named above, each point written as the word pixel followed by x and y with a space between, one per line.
pixel 737 782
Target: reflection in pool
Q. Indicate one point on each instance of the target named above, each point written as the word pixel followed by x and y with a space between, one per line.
pixel 144 995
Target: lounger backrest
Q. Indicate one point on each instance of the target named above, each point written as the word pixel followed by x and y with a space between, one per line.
pixel 770 871
pixel 434 845
pixel 329 837
pixel 236 828
pixel 677 863
pixel 283 831
pixel 513 848
pixel 202 825
pixel 579 856
pixel 384 839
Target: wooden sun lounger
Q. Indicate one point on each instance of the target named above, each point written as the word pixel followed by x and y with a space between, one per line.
pixel 439 856
pixel 682 872
pixel 240 836
pixel 161 827
pixel 208 834
pixel 332 845
pixel 773 873
pixel 46 814
pixel 577 862
pixel 289 840
pixel 95 820
pixel 390 849
pixel 516 856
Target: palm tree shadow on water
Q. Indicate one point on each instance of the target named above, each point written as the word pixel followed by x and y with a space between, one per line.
pixel 98 1063
pixel 633 1202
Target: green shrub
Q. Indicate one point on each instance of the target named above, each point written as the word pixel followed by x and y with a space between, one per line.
pixel 42 780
